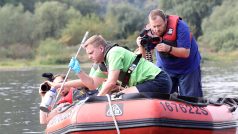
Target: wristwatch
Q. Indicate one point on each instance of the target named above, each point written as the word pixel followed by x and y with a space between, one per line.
pixel 170 49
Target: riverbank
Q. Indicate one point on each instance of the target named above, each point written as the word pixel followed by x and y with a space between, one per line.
pixel 8 65
pixel 220 56
pixel 14 65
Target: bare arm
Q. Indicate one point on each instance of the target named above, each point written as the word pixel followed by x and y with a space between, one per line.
pixel 110 83
pixel 90 82
pixel 46 117
pixel 74 83
pixel 84 81
pixel 43 115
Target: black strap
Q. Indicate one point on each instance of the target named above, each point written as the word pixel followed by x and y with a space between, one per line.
pixel 130 70
pixel 107 48
pixel 102 67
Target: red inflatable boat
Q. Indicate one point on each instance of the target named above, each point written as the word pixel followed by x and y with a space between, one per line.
pixel 136 113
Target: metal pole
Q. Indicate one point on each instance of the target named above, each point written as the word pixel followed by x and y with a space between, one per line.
pixel 62 85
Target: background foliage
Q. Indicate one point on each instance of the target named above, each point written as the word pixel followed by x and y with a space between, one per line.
pixel 47 31
pixel 221 28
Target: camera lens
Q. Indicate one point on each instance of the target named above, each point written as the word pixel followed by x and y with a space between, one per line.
pixel 45 87
pixel 144 41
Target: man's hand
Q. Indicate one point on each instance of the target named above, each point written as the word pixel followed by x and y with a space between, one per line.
pixel 162 47
pixel 110 83
pixel 74 65
pixel 175 51
pixel 138 40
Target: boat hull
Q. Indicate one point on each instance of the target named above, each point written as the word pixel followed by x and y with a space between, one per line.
pixel 144 116
pixel 160 130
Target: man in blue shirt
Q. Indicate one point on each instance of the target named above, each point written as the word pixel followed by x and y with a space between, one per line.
pixel 177 53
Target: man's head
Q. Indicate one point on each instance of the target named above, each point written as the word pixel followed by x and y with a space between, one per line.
pixel 95 47
pixel 157 22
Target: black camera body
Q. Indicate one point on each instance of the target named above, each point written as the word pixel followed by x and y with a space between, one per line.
pixel 147 41
pixel 45 87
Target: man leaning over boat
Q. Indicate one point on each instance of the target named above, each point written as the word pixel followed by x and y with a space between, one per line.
pixel 135 74
pixel 130 69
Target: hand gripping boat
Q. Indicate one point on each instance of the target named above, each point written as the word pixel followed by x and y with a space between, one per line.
pixel 136 113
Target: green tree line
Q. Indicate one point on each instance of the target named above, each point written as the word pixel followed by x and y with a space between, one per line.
pixel 48 31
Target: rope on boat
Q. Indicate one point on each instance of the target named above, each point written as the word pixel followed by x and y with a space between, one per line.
pixel 113 116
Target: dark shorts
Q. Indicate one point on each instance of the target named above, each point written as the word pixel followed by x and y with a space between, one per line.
pixel 187 84
pixel 162 83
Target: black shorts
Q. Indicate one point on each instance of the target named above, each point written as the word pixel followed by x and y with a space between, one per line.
pixel 161 83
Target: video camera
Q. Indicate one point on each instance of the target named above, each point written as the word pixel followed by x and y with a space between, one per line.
pixel 147 41
pixel 45 86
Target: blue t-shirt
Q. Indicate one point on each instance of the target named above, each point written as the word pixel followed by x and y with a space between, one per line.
pixel 177 65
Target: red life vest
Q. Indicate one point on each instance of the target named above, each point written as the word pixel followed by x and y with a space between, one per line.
pixel 68 98
pixel 170 37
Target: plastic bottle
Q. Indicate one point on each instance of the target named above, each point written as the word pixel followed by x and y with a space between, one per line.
pixel 48 100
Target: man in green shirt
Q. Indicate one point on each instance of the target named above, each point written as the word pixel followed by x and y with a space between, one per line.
pixel 145 77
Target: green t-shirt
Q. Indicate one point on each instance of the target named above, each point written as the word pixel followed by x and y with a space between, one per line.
pixel 119 58
pixel 96 72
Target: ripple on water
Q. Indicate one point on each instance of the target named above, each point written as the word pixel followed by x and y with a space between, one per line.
pixel 8 112
pixel 7 120
pixel 22 87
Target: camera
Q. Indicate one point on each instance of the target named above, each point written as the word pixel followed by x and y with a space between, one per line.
pixel 147 41
pixel 45 87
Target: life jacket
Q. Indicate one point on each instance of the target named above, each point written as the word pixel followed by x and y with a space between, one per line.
pixel 107 48
pixel 68 98
pixel 72 95
pixel 170 37
pixel 77 94
pixel 101 66
pixel 123 76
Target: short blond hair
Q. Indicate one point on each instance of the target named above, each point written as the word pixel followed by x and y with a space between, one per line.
pixel 95 40
pixel 157 12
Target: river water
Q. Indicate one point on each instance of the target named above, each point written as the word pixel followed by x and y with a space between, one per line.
pixel 19 99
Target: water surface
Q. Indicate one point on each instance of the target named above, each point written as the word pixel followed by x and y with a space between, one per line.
pixel 19 99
